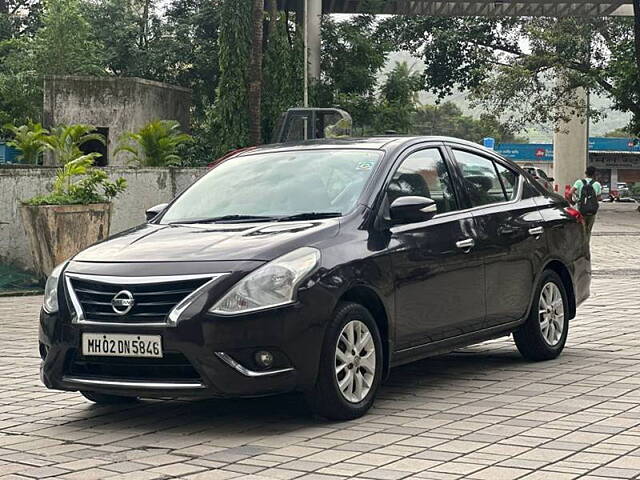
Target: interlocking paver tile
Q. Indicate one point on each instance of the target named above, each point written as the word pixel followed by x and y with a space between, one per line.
pixel 500 473
pixel 481 412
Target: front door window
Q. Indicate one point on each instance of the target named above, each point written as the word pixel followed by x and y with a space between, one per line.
pixel 424 174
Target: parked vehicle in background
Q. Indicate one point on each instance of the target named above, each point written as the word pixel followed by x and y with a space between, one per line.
pixel 299 124
pixel 622 193
pixel 541 177
pixel 316 267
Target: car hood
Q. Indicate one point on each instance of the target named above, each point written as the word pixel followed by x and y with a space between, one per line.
pixel 208 242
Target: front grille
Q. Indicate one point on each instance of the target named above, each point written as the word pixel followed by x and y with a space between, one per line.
pixel 172 366
pixel 153 301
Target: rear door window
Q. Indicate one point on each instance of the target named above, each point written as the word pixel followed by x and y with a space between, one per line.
pixel 480 179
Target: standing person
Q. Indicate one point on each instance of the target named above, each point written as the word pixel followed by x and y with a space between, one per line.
pixel 588 192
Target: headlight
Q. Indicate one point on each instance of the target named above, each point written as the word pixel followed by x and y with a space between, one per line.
pixel 271 285
pixel 50 303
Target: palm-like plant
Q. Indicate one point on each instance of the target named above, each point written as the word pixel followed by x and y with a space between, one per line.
pixel 154 145
pixel 30 140
pixel 66 140
pixel 76 167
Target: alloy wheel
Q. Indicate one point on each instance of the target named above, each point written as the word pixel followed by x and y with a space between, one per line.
pixel 551 314
pixel 355 361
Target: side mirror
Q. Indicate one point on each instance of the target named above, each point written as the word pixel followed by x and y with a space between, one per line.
pixel 154 211
pixel 551 179
pixel 412 209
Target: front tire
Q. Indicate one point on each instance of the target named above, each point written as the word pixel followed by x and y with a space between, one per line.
pixel 351 365
pixel 106 399
pixel 544 334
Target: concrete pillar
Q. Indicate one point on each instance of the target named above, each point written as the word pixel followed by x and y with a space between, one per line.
pixel 613 182
pixel 314 17
pixel 571 147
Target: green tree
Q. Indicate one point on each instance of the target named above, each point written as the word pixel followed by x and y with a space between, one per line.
pixel 157 144
pixel 19 18
pixel 487 57
pixel 282 71
pixel 190 50
pixel 180 47
pixel 65 45
pixel 353 52
pixel 20 91
pixel 447 119
pixel 229 120
pixel 398 100
pixel 116 24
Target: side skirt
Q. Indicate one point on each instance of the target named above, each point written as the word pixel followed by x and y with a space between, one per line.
pixel 419 352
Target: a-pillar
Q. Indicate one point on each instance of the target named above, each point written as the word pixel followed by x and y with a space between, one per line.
pixel 571 146
pixel 314 18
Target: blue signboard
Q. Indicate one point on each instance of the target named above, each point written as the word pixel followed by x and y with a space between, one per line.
pixel 489 142
pixel 541 152
pixel 611 144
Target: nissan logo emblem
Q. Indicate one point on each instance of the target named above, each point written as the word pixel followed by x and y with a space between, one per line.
pixel 123 302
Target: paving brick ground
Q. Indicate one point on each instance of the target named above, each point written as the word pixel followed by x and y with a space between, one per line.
pixel 480 413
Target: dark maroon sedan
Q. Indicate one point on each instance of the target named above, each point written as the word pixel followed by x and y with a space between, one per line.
pixel 317 267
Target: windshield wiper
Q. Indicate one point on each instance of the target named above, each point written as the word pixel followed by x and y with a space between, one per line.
pixel 309 216
pixel 226 219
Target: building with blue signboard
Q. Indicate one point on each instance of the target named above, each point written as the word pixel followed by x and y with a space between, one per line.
pixel 617 159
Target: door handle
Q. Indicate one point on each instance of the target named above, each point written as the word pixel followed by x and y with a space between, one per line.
pixel 537 231
pixel 505 230
pixel 467 244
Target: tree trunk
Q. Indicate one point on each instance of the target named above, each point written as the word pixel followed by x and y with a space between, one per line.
pixel 255 73
pixel 273 16
pixel 144 24
pixel 636 29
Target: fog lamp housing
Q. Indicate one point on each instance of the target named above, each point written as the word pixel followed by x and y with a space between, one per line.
pixel 264 358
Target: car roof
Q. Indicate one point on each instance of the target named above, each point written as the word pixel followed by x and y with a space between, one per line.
pixel 379 142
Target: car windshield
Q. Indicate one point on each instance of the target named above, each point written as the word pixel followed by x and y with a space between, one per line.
pixel 277 185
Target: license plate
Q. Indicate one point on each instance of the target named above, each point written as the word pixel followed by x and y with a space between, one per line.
pixel 121 345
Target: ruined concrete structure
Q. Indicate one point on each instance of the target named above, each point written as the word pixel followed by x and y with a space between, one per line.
pixel 114 105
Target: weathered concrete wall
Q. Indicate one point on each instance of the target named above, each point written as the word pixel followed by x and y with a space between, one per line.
pixel 119 104
pixel 146 187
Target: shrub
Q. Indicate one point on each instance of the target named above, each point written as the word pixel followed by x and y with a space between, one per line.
pixel 155 145
pixel 30 140
pixel 94 187
pixel 66 140
pixel 77 182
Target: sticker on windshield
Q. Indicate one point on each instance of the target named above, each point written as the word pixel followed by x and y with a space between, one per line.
pixel 365 166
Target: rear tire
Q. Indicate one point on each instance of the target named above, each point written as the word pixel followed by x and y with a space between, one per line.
pixel 106 399
pixel 544 334
pixel 351 364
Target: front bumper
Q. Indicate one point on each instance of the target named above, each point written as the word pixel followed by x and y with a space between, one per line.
pixel 204 355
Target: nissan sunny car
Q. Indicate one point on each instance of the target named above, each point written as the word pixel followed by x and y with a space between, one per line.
pixel 317 267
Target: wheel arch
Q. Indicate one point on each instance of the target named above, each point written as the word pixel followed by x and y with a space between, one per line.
pixel 567 280
pixel 368 298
